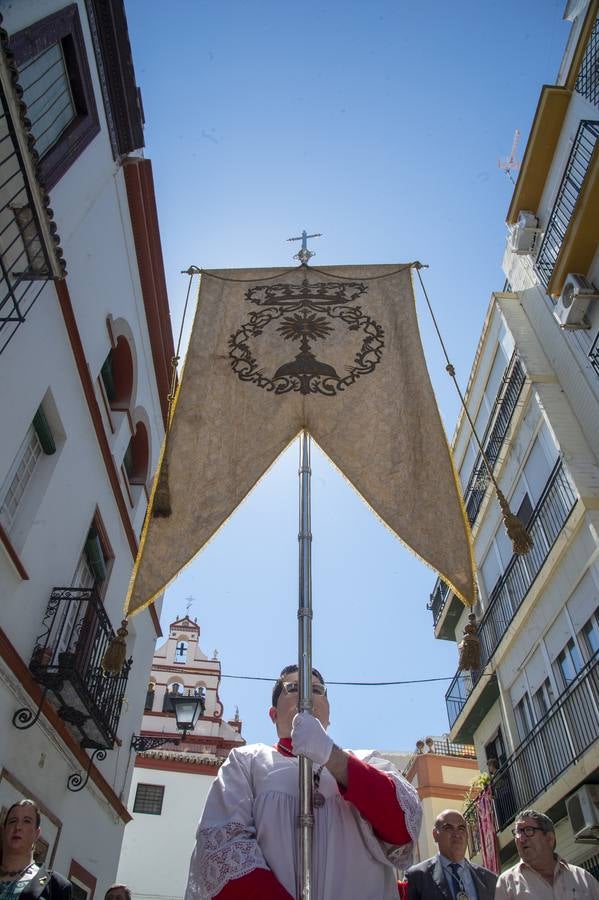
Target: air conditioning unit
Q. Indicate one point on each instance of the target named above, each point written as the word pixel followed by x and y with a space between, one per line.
pixel 583 813
pixel 577 295
pixel 524 233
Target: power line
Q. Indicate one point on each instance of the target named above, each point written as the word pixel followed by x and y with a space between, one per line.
pixel 354 683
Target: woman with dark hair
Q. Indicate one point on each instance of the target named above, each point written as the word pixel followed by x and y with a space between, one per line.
pixel 20 877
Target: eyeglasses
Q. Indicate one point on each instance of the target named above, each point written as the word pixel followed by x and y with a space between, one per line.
pixel 292 687
pixel 526 830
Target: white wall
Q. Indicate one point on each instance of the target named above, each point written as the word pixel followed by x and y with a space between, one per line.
pixel 170 837
pixel 91 214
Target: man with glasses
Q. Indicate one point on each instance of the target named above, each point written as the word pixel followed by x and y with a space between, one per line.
pixel 541 872
pixel 366 815
pixel 449 875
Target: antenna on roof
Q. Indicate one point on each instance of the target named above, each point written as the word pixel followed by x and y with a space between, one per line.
pixel 509 163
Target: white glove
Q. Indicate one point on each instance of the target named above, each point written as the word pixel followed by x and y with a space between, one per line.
pixel 309 738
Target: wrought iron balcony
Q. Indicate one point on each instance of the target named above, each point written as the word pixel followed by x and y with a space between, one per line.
pixel 29 251
pixel 438 599
pixel 556 742
pixel 594 354
pixel 67 661
pixel 494 436
pixel 549 517
pixel 492 441
pixel 577 167
pixel 444 747
pixel 587 82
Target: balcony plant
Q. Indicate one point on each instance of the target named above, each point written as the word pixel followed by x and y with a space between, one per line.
pixel 477 786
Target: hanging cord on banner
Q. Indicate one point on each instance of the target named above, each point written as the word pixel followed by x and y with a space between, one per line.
pixel 116 653
pixel 195 270
pixel 520 538
pixel 469 647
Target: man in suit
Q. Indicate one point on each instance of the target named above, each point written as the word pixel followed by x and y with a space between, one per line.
pixel 448 875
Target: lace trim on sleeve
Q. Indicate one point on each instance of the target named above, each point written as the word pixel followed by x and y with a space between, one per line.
pixel 222 854
pixel 407 797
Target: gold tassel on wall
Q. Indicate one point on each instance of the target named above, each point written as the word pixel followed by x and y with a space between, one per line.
pixel 114 658
pixel 517 533
pixel 469 647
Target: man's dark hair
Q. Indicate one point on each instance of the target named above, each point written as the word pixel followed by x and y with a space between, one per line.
pixel 289 670
pixel 543 821
pixel 118 887
pixel 25 802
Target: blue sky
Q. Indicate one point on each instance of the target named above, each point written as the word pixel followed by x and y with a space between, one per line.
pixel 379 124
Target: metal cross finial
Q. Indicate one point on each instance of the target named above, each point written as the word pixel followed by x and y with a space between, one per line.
pixel 304 254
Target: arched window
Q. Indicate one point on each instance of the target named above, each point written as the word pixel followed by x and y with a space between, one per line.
pixel 181 652
pixel 173 690
pixel 117 375
pixel 150 696
pixel 135 460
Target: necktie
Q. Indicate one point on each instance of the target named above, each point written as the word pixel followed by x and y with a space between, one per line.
pixel 456 885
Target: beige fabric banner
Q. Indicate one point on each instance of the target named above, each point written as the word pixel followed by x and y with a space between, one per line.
pixel 335 351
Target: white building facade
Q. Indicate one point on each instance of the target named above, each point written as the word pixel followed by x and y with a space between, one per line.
pixel 170 784
pixel 85 361
pixel 532 710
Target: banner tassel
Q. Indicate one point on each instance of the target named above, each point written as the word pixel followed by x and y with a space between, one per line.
pixel 517 533
pixel 114 658
pixel 469 647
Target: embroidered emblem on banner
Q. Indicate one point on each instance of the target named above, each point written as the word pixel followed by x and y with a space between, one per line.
pixel 323 321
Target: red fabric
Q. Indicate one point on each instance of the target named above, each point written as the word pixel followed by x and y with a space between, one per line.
pixel 259 884
pixel 402 889
pixel 372 792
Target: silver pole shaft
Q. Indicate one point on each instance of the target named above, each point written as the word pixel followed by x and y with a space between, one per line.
pixel 304 615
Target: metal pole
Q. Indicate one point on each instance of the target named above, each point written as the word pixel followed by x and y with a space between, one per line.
pixel 304 615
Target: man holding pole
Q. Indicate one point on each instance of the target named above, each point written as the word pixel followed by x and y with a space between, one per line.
pixel 366 815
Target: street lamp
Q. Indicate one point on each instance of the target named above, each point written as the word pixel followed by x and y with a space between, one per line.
pixel 188 708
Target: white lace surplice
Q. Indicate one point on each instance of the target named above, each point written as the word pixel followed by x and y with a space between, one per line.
pixel 250 821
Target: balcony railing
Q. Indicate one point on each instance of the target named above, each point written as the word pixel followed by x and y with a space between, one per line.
pixel 492 441
pixel 556 742
pixel 30 254
pixel 445 747
pixel 567 197
pixel 587 82
pixel 494 436
pixel 594 354
pixel 549 517
pixel 25 264
pixel 438 599
pixel 440 746
pixel 67 661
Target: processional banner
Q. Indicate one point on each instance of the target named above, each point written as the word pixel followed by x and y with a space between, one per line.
pixel 335 351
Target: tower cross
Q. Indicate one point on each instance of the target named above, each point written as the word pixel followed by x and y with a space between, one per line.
pixel 304 254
